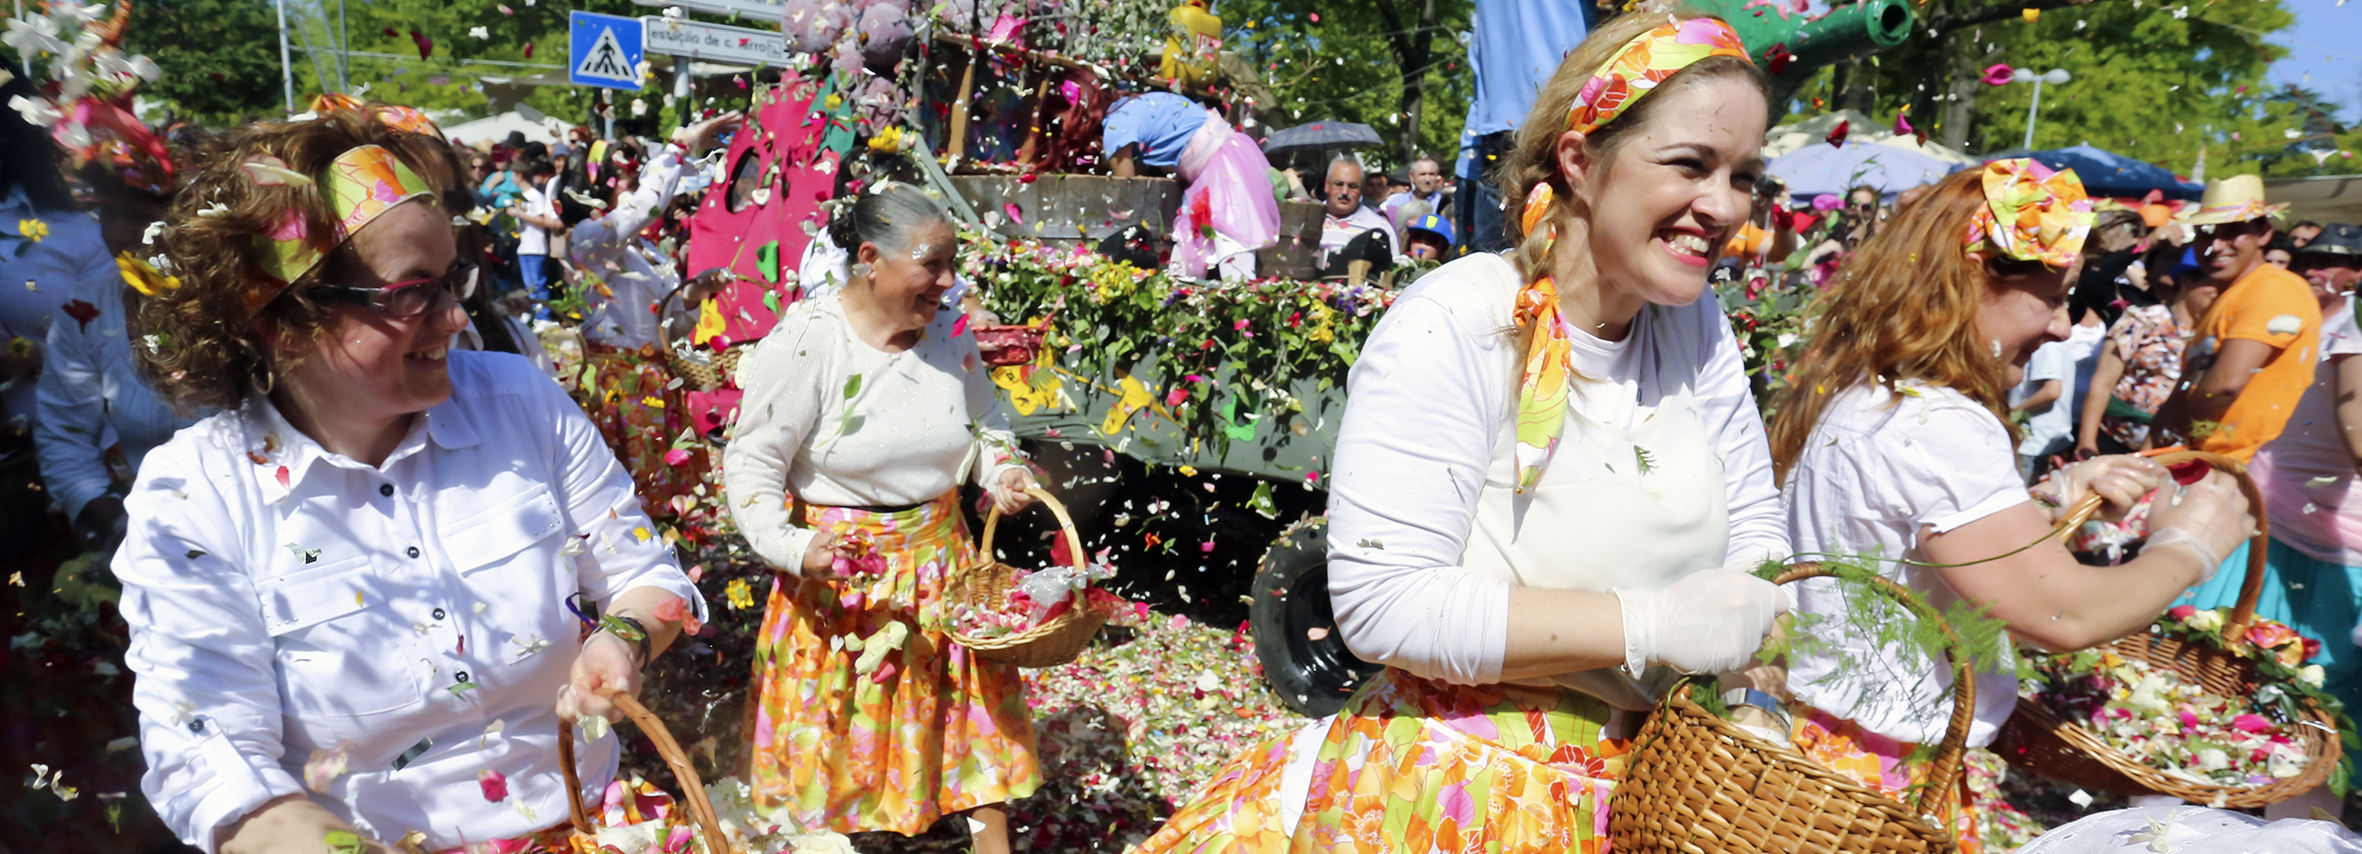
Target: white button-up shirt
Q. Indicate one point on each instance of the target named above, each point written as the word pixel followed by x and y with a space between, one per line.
pixel 284 599
pixel 91 396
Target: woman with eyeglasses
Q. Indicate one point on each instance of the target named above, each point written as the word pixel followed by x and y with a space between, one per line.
pixel 360 596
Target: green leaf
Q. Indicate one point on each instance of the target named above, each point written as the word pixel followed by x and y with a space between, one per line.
pixel 852 386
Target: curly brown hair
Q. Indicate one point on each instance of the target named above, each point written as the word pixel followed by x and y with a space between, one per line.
pixel 196 344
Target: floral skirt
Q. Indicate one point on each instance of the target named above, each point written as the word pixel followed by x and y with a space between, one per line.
pixel 852 738
pixel 1413 765
pixel 1886 765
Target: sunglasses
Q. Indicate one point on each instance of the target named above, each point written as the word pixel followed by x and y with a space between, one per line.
pixel 409 298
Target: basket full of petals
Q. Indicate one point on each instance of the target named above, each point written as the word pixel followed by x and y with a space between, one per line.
pixel 1039 618
pixel 2215 707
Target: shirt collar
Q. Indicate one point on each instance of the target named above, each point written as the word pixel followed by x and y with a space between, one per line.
pixel 285 455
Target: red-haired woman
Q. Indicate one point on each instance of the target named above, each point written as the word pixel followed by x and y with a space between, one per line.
pixel 1890 440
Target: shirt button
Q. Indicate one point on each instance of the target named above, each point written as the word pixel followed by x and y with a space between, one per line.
pixel 197 725
pixel 438 613
pixel 386 489
pixel 412 551
pixel 460 676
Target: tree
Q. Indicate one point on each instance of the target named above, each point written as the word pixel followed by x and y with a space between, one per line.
pixel 1395 65
pixel 2158 82
pixel 220 57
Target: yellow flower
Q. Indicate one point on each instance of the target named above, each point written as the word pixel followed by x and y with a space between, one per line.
pixel 32 228
pixel 740 594
pixel 140 276
pixel 886 141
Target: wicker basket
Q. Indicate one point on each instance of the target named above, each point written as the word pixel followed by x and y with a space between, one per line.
pixel 2039 741
pixel 719 370
pixel 985 585
pixel 1697 784
pixel 701 810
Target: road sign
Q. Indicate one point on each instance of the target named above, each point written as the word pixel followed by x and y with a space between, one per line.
pixel 715 42
pixel 746 11
pixel 604 50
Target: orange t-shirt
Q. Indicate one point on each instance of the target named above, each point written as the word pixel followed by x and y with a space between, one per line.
pixel 2276 307
pixel 1747 241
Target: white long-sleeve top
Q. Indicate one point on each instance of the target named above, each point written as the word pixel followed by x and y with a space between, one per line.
pixel 1434 390
pixel 42 279
pixel 284 600
pixel 836 422
pixel 632 274
pixel 90 389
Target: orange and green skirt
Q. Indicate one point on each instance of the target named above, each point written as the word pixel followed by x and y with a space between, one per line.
pixel 1413 765
pixel 1887 765
pixel 893 741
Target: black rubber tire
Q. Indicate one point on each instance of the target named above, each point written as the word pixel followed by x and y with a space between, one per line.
pixel 1312 675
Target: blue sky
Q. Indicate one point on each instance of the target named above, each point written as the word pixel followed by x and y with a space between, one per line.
pixel 2323 47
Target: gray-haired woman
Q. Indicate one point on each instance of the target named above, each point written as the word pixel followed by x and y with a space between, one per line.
pixel 864 411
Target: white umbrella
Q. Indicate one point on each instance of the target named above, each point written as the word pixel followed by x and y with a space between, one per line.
pixel 1787 139
pixel 497 128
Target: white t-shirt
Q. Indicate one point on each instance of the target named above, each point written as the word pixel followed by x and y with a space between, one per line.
pixel 1877 470
pixel 533 239
pixel 2083 343
pixel 2052 361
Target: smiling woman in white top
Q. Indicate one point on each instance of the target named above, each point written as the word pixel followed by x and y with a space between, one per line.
pixel 356 595
pixel 1891 443
pixel 1550 481
pixel 865 411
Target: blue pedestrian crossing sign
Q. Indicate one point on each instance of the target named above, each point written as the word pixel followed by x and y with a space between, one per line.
pixel 604 50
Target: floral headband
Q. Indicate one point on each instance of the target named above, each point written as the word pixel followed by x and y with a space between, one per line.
pixel 363 184
pixel 2030 214
pixel 1637 68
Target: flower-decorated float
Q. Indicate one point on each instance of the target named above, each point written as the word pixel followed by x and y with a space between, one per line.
pixel 1189 416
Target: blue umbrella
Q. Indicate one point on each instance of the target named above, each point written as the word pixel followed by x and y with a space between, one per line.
pixel 1822 168
pixel 2106 173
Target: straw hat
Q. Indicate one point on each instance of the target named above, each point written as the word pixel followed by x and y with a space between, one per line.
pixel 2238 198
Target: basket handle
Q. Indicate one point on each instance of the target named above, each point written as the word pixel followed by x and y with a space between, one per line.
pixel 693 787
pixel 2258 546
pixel 992 519
pixel 1945 774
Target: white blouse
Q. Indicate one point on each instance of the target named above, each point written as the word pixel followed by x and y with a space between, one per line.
pixel 836 422
pixel 284 600
pixel 1877 470
pixel 1432 394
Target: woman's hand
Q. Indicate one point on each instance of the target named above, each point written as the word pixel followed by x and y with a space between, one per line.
pixel 820 557
pixel 1707 622
pixel 1010 493
pixel 2121 479
pixel 2209 518
pixel 604 666
pixel 705 134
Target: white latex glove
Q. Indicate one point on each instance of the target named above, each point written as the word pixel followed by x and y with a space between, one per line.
pixel 2122 479
pixel 2209 518
pixel 1707 622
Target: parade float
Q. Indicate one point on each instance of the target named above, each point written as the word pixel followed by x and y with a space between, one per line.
pixel 1193 418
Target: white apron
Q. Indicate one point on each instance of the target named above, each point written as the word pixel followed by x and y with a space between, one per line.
pixel 1601 517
